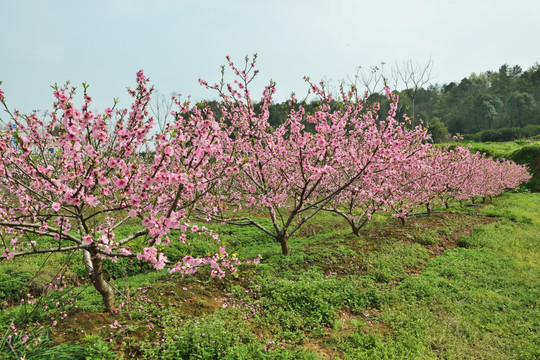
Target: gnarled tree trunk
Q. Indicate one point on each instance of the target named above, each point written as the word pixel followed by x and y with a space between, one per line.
pixel 101 285
pixel 283 239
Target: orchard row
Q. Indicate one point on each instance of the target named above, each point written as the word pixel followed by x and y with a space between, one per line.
pixel 69 182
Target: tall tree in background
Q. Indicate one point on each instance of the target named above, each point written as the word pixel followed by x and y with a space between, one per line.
pixel 161 106
pixel 485 109
pixel 437 130
pixel 520 105
pixel 372 79
pixel 414 76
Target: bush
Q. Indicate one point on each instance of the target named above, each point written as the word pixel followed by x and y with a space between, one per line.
pixel 505 134
pixel 509 134
pixel 438 131
pixel 491 135
pixel 531 130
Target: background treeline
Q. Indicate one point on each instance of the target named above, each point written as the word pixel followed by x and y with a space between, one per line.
pixel 501 105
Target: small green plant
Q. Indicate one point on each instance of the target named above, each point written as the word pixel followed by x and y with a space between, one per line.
pixel 446 231
pixel 91 348
pixel 424 238
pixel 13 285
pixel 222 335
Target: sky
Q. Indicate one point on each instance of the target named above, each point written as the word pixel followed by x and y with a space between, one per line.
pixel 105 42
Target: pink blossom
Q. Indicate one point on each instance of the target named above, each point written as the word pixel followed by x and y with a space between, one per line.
pixel 56 206
pixel 351 157
pixel 168 151
pixel 87 240
pixel 92 200
pixel 160 262
pixel 9 255
pixel 120 183
pixel 88 182
pixel 112 163
pixel 102 180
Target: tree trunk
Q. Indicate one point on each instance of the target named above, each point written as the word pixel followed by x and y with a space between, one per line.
pixel 101 285
pixel 402 221
pixel 428 208
pixel 284 241
pixel 355 230
pixel 460 203
pixel 355 227
pixel 87 259
pixel 446 205
pixel 484 200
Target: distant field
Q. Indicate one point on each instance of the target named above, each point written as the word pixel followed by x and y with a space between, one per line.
pixel 498 149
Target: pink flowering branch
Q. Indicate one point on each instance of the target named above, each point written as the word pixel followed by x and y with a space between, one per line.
pixel 90 173
pixel 289 172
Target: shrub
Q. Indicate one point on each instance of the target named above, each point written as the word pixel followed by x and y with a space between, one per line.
pixel 491 135
pixel 530 155
pixel 531 130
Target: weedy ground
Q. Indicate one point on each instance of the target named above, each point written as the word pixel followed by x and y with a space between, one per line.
pixel 459 284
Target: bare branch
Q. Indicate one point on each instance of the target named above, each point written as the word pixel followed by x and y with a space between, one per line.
pixel 50 250
pixel 161 106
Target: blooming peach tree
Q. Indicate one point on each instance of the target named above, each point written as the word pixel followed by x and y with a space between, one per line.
pixel 287 171
pixel 69 183
pixel 448 174
pixel 401 149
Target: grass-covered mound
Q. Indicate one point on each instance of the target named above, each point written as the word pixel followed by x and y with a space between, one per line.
pixel 530 155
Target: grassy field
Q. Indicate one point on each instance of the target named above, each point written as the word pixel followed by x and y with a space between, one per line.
pixel 463 284
pixel 498 149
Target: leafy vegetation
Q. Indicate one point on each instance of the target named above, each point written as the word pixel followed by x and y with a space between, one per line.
pixel 462 284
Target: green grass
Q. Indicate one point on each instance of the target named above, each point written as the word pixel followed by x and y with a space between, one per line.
pixel 497 149
pixel 393 293
pixel 479 302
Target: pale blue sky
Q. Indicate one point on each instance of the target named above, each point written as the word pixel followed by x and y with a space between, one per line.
pixel 104 42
